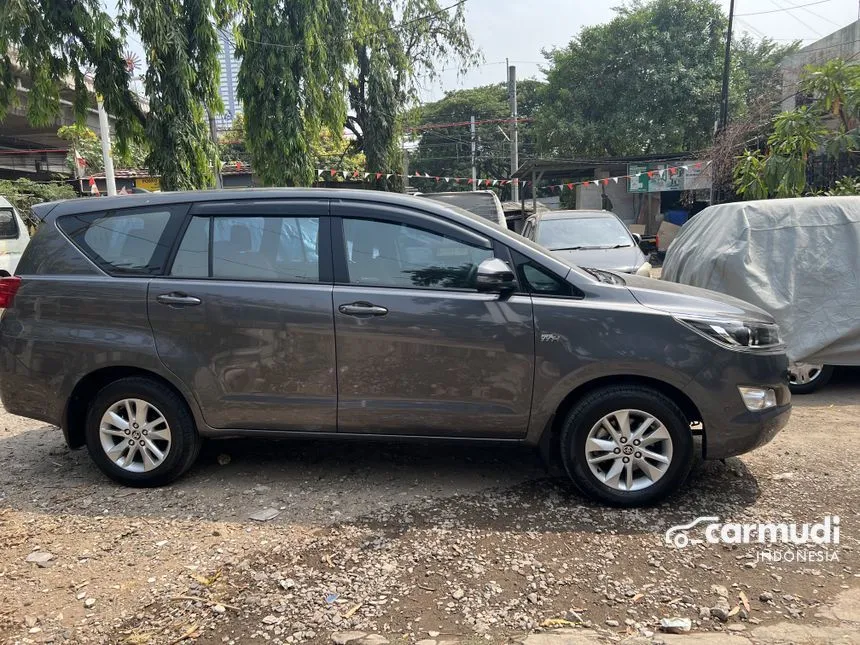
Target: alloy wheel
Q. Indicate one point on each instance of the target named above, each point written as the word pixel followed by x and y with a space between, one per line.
pixel 628 450
pixel 135 435
pixel 803 373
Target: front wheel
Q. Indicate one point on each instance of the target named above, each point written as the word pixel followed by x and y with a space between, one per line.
pixel 141 433
pixel 627 446
pixel 806 378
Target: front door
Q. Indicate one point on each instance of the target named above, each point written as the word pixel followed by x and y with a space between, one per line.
pixel 419 350
pixel 244 317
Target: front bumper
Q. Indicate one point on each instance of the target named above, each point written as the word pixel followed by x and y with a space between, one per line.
pixel 745 432
pixel 729 427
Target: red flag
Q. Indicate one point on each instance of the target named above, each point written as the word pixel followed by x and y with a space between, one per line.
pixel 570 186
pixel 333 172
pixel 470 181
pixel 378 175
pixel 355 174
pixel 437 179
pixel 417 174
pixel 604 181
pixel 94 188
pixel 650 174
pixel 672 171
pixel 698 166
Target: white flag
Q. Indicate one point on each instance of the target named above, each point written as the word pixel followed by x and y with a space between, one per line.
pixel 366 175
pixel 319 172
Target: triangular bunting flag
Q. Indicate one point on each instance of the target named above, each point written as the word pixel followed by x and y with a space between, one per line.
pixel 378 175
pixel 447 180
pixel 333 172
pixel 615 179
pixel 697 166
pixel 388 176
pixel 604 181
pixel 366 175
pixel 319 172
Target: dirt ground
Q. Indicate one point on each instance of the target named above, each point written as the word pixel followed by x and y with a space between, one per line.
pixel 419 543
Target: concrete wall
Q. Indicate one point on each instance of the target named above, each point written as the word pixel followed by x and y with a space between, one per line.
pixel 844 44
pixel 589 196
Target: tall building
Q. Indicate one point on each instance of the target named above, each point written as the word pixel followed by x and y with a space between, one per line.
pixel 229 80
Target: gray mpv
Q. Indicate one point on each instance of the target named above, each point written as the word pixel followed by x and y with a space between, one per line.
pixel 142 324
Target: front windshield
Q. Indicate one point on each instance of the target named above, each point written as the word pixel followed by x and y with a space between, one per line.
pixel 583 233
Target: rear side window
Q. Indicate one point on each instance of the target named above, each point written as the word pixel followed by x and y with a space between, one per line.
pixel 132 243
pixel 281 249
pixel 8 224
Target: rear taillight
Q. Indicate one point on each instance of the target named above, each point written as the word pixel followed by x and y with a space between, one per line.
pixel 8 289
pixel 657 241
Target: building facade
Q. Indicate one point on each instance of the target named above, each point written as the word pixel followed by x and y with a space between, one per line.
pixel 228 81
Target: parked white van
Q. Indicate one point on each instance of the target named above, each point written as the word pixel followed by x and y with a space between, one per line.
pixel 13 237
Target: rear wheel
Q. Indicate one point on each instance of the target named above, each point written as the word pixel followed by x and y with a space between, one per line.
pixel 140 432
pixel 627 446
pixel 805 378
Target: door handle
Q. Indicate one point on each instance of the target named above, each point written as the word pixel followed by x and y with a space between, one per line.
pixel 178 300
pixel 362 309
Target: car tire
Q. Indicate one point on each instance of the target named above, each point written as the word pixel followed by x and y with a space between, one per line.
pixel 585 436
pixel 152 417
pixel 818 379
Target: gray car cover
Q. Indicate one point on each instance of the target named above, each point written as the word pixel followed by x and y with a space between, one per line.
pixel 798 259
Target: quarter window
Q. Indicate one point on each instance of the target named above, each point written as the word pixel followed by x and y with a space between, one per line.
pixel 540 282
pixel 398 255
pixel 123 242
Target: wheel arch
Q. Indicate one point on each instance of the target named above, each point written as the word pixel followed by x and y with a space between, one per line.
pixel 549 438
pixel 75 413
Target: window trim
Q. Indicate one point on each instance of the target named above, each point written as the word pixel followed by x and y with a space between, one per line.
pixel 178 215
pixel 341 267
pixel 325 270
pixel 17 232
pixel 520 260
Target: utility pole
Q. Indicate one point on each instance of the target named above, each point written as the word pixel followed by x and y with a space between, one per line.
pixel 216 163
pixel 104 133
pixel 724 96
pixel 405 170
pixel 474 152
pixel 515 152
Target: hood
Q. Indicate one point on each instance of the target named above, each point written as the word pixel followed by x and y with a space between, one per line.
pixel 682 299
pixel 627 259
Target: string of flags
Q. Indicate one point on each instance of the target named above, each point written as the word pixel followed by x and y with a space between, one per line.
pixel 357 175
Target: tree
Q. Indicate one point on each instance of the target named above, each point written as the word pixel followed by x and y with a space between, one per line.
pixel 53 42
pixel 389 56
pixel 24 193
pixel 293 81
pixel 88 145
pixel 446 151
pixel 826 128
pixel 649 81
pixel 181 85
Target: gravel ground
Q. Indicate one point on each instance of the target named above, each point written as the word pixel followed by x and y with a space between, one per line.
pixel 417 543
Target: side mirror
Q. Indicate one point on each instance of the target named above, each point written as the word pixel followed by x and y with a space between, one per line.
pixel 638 238
pixel 495 276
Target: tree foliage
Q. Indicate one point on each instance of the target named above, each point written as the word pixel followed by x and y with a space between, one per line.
pixel 181 85
pixel 88 145
pixel 446 151
pixel 51 43
pixel 401 42
pixel 649 81
pixel 292 82
pixel 24 193
pixel 827 127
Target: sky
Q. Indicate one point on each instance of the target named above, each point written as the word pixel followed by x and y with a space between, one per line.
pixel 520 30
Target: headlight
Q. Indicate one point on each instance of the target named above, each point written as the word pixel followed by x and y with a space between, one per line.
pixel 735 334
pixel 645 270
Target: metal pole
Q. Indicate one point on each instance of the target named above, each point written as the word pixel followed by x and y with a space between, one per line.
pixel 216 164
pixel 534 194
pixel 104 132
pixel 405 169
pixel 474 152
pixel 515 152
pixel 724 96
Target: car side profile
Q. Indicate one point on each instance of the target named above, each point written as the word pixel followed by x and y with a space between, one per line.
pixel 143 324
pixel 588 238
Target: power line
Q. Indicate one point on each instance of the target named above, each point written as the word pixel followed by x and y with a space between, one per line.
pixel 800 6
pixel 789 13
pixel 812 13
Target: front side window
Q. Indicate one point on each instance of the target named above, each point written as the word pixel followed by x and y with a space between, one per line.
pixel 122 242
pixel 398 255
pixel 282 249
pixel 8 224
pixel 583 233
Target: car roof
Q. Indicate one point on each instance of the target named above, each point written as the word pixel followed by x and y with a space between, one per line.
pixel 51 210
pixel 576 214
